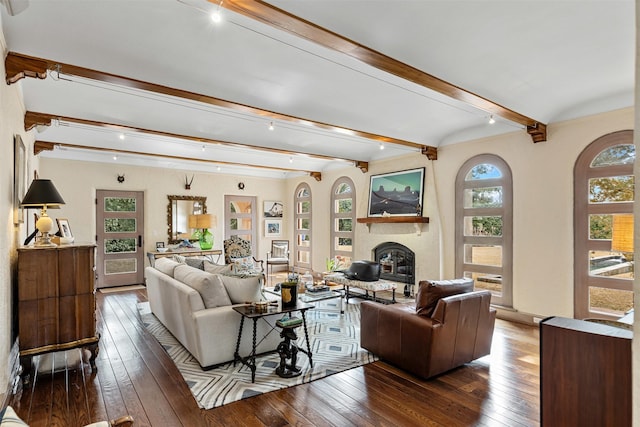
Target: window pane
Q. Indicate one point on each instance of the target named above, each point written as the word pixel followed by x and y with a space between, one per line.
pixel 304 207
pixel 483 281
pixel 344 244
pixel 233 224
pixel 237 206
pixel 483 171
pixel 303 223
pixel 344 224
pixel 120 266
pixel 600 227
pixel 483 226
pixel 343 188
pixel 624 154
pixel 119 245
pixel 343 206
pixel 119 225
pixel 119 204
pixel 612 301
pixel 610 190
pixel 303 193
pixel 303 257
pixel 483 255
pixel 611 264
pixel 486 197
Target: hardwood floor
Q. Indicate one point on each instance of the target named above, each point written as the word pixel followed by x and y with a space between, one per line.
pixel 136 377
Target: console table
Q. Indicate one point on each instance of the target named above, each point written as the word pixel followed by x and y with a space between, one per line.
pixel 184 252
pixel 56 300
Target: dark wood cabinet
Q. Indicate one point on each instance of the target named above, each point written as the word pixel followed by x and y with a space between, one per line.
pixel 585 373
pixel 56 300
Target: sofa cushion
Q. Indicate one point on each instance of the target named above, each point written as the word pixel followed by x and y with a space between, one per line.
pixel 165 265
pixel 212 268
pixel 245 289
pixel 431 291
pixel 208 285
pixel 192 261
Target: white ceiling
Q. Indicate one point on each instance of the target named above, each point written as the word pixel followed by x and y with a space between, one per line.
pixel 548 60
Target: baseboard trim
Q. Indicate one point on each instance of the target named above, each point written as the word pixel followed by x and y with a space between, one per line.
pixel 512 315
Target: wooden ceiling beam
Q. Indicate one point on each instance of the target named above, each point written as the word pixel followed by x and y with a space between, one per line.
pixel 19 66
pixel 40 146
pixel 33 119
pixel 268 14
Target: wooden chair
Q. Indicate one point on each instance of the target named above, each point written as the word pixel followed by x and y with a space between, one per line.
pixel 278 255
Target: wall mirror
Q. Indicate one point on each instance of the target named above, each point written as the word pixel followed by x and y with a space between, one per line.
pixel 178 211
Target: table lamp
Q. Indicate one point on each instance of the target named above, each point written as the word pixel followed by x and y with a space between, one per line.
pixel 43 194
pixel 202 223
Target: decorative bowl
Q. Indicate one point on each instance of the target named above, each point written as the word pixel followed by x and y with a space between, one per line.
pixel 163 250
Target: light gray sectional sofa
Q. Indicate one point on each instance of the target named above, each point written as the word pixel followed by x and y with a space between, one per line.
pixel 196 306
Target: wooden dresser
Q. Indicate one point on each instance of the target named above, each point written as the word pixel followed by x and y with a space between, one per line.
pixel 56 300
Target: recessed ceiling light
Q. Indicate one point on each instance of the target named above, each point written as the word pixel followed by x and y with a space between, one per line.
pixel 216 16
pixel 121 136
pixel 381 146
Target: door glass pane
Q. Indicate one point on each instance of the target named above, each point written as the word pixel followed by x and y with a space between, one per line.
pixel 611 264
pixel 303 223
pixel 238 206
pixel 483 226
pixel 119 204
pixel 485 197
pixel 623 154
pixel 483 171
pixel 304 240
pixel 119 245
pixel 600 227
pixel 611 301
pixel 303 257
pixel 119 225
pixel 343 206
pixel 483 255
pixel 120 266
pixel 344 244
pixel 344 224
pixel 611 190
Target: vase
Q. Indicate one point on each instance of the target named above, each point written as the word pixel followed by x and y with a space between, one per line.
pixel 206 240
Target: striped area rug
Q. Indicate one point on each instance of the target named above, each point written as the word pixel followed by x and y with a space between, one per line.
pixel 335 344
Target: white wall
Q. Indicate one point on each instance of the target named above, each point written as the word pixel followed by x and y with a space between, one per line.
pixel 77 182
pixel 11 123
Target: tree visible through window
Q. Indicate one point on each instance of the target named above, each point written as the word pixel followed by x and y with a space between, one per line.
pixel 302 228
pixel 343 217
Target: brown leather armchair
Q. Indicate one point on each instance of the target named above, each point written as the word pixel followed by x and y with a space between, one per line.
pixel 459 331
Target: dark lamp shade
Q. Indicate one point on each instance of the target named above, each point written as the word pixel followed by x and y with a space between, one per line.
pixel 42 192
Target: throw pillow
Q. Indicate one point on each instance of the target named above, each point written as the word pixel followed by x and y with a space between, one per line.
pixel 279 251
pixel 11 419
pixel 243 290
pixel 212 268
pixel 195 262
pixel 208 285
pixel 242 264
pixel 431 291
pixel 165 265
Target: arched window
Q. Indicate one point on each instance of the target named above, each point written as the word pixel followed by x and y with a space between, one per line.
pixel 603 244
pixel 302 229
pixel 343 219
pixel 484 223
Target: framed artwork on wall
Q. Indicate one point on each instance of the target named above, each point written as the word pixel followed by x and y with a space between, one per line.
pixel 19 178
pixel 397 193
pixel 272 227
pixel 273 209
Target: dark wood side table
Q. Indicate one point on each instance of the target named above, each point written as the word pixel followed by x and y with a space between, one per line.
pixel 249 312
pixel 56 300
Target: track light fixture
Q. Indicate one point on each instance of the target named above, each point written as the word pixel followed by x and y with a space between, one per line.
pixel 216 15
pixel 271 126
pixel 491 120
pixel 381 146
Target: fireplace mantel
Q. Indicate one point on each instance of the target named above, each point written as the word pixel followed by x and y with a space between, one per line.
pixel 417 221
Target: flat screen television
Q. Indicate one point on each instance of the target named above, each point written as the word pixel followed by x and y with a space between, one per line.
pixel 366 271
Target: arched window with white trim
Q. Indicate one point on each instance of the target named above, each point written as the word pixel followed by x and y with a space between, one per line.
pixel 343 219
pixel 484 223
pixel 302 229
pixel 603 227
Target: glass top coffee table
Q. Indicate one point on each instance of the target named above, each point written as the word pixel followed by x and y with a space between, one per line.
pixel 310 297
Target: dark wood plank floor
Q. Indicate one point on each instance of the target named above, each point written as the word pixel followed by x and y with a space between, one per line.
pixel 136 377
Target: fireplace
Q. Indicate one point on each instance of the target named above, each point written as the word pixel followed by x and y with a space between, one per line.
pixel 397 263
